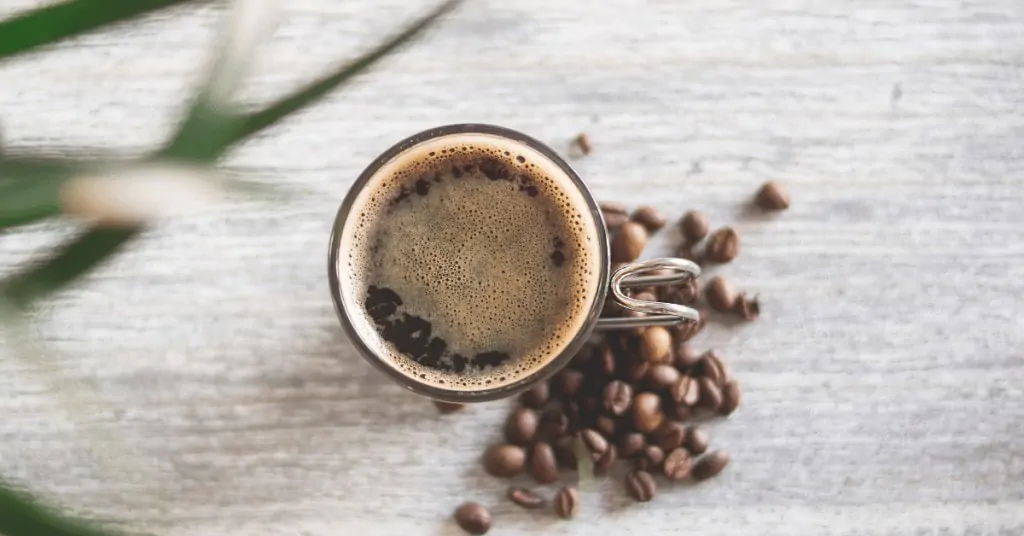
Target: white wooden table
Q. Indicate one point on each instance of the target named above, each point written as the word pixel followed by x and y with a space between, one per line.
pixel 211 388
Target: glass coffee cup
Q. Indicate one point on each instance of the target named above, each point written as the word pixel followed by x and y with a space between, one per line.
pixel 468 262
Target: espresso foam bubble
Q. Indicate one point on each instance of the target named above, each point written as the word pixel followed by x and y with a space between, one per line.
pixel 487 240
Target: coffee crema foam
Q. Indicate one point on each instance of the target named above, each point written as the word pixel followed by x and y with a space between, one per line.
pixel 472 261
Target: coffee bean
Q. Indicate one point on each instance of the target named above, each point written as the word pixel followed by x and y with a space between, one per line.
pixel 697 440
pixel 710 465
pixel 713 366
pixel 631 444
pixel 615 221
pixel 685 331
pixel 565 451
pixel 731 397
pixel 567 383
pixel 694 226
pixel 553 423
pixel 679 412
pixel 504 460
pixel 678 464
pixel 686 391
pixel 636 369
pixel 604 462
pixel 613 207
pixel 543 465
pixel 723 245
pixel 607 364
pixel 650 218
pixel 748 308
pixel 606 425
pixel 685 294
pixel 651 458
pixel 629 243
pixel 686 356
pixel 772 196
pixel 473 518
pixel 640 485
pixel 595 442
pixel 526 498
pixel 656 345
pixel 710 394
pixel 536 397
pixel 583 142
pixel 647 414
pixel 671 436
pixel 567 502
pixel 663 377
pixel 447 407
pixel 720 294
pixel 618 397
pixel 521 426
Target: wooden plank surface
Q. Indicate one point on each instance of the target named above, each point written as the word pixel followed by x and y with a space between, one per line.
pixel 200 384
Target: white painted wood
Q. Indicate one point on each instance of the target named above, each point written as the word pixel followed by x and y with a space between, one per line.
pixel 884 383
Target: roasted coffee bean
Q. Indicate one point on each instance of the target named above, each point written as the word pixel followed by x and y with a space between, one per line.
pixel 504 460
pixel 565 451
pixel 629 243
pixel 685 294
pixel 604 462
pixel 685 331
pixel 686 356
pixel 631 445
pixel 697 440
pixel 695 226
pixel 650 218
pixel 731 397
pixel 613 207
pixel 723 245
pixel 712 367
pixel 710 394
pixel 473 518
pixel 651 458
pixel 640 485
pixel 720 294
pixel 686 391
pixel 583 142
pixel 607 364
pixel 567 502
pixel 679 412
pixel 710 465
pixel 656 345
pixel 606 425
pixel 662 377
pixel 543 465
pixel 526 498
pixel 678 464
pixel 670 436
pixel 618 397
pixel 595 442
pixel 772 196
pixel 521 426
pixel 613 221
pixel 447 407
pixel 567 383
pixel 749 309
pixel 636 369
pixel 647 414
pixel 537 396
pixel 553 423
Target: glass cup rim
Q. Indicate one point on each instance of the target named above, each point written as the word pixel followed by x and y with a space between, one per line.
pixel 453 395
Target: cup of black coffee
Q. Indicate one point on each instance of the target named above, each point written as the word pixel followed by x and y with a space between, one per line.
pixel 469 261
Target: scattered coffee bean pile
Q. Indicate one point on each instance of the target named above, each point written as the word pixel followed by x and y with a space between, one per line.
pixel 636 396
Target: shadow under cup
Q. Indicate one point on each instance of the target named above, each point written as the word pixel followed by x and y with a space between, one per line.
pixel 354 317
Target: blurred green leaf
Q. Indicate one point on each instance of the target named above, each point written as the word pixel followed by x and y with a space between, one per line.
pixel 69 262
pixel 30 188
pixel 51 24
pixel 233 129
pixel 21 515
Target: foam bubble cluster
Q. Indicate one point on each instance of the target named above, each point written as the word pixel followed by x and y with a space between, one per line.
pixel 485 239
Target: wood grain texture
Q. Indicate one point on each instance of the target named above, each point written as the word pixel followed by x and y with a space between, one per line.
pixel 884 383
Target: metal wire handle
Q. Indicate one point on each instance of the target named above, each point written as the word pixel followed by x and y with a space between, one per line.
pixel 659 313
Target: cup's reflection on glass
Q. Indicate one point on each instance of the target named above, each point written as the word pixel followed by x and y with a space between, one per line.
pixel 469 261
